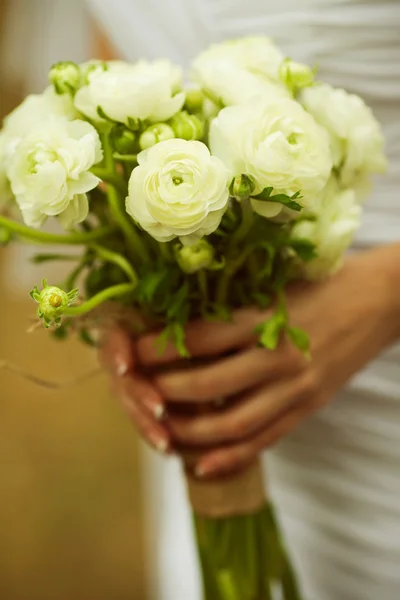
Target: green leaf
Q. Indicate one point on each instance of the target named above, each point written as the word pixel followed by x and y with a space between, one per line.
pixel 150 283
pixel 175 333
pixel 177 301
pixel 300 339
pixel 270 331
pixel 305 249
pixel 288 201
pixel 179 340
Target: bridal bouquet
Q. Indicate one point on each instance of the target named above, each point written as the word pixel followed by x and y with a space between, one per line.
pixel 187 202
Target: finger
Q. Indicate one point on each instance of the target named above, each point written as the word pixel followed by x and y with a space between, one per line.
pixel 143 392
pixel 116 353
pixel 229 376
pixel 154 432
pixel 205 338
pixel 244 419
pixel 237 457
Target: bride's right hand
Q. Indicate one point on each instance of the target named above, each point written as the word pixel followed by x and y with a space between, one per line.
pixel 138 396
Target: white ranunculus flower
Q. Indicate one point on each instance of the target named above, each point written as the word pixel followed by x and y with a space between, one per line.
pixel 230 85
pixel 332 233
pixel 256 54
pixel 279 145
pixel 356 137
pixel 236 71
pixel 144 90
pixel 36 109
pixel 49 171
pixel 178 190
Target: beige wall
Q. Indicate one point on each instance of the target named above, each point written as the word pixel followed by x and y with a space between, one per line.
pixel 71 523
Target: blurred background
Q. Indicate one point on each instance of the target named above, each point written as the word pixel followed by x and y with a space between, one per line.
pixel 71 494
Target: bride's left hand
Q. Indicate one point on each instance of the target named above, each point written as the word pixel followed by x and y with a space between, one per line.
pixel 350 318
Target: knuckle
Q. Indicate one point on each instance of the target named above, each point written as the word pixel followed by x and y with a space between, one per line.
pixel 237 428
pixel 145 349
pixel 203 386
pixel 310 383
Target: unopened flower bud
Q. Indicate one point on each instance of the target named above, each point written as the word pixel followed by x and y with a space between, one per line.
pixel 194 100
pixel 294 75
pixel 194 258
pixel 187 127
pixel 159 132
pixel 65 77
pixel 242 187
pixel 123 139
pixel 52 302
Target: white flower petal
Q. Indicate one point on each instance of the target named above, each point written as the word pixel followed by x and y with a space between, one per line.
pixel 266 209
pixel 76 212
pixel 177 190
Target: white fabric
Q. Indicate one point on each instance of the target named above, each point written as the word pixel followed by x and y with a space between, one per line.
pixel 336 481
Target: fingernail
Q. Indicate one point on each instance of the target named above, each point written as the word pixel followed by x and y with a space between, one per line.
pixel 157 409
pixel 203 470
pixel 122 368
pixel 160 412
pixel 161 444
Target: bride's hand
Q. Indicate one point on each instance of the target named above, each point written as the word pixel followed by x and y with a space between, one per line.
pixel 350 318
pixel 140 399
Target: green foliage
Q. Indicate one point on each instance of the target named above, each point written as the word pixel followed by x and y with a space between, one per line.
pixel 288 201
pixel 271 330
pixel 304 249
pixel 300 339
pixel 175 333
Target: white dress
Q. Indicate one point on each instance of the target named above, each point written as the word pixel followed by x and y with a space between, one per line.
pixel 335 481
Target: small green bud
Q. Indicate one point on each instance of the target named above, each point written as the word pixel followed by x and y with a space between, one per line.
pixel 65 77
pixel 52 302
pixel 194 258
pixel 159 132
pixel 194 100
pixel 187 127
pixel 90 68
pixel 294 75
pixel 123 139
pixel 242 187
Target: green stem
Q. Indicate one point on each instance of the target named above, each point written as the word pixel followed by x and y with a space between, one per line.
pixel 42 237
pixel 164 250
pixel 237 237
pixel 107 294
pixel 128 158
pixel 116 259
pixel 110 177
pixel 203 286
pixel 245 225
pixel 136 247
pixel 230 270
